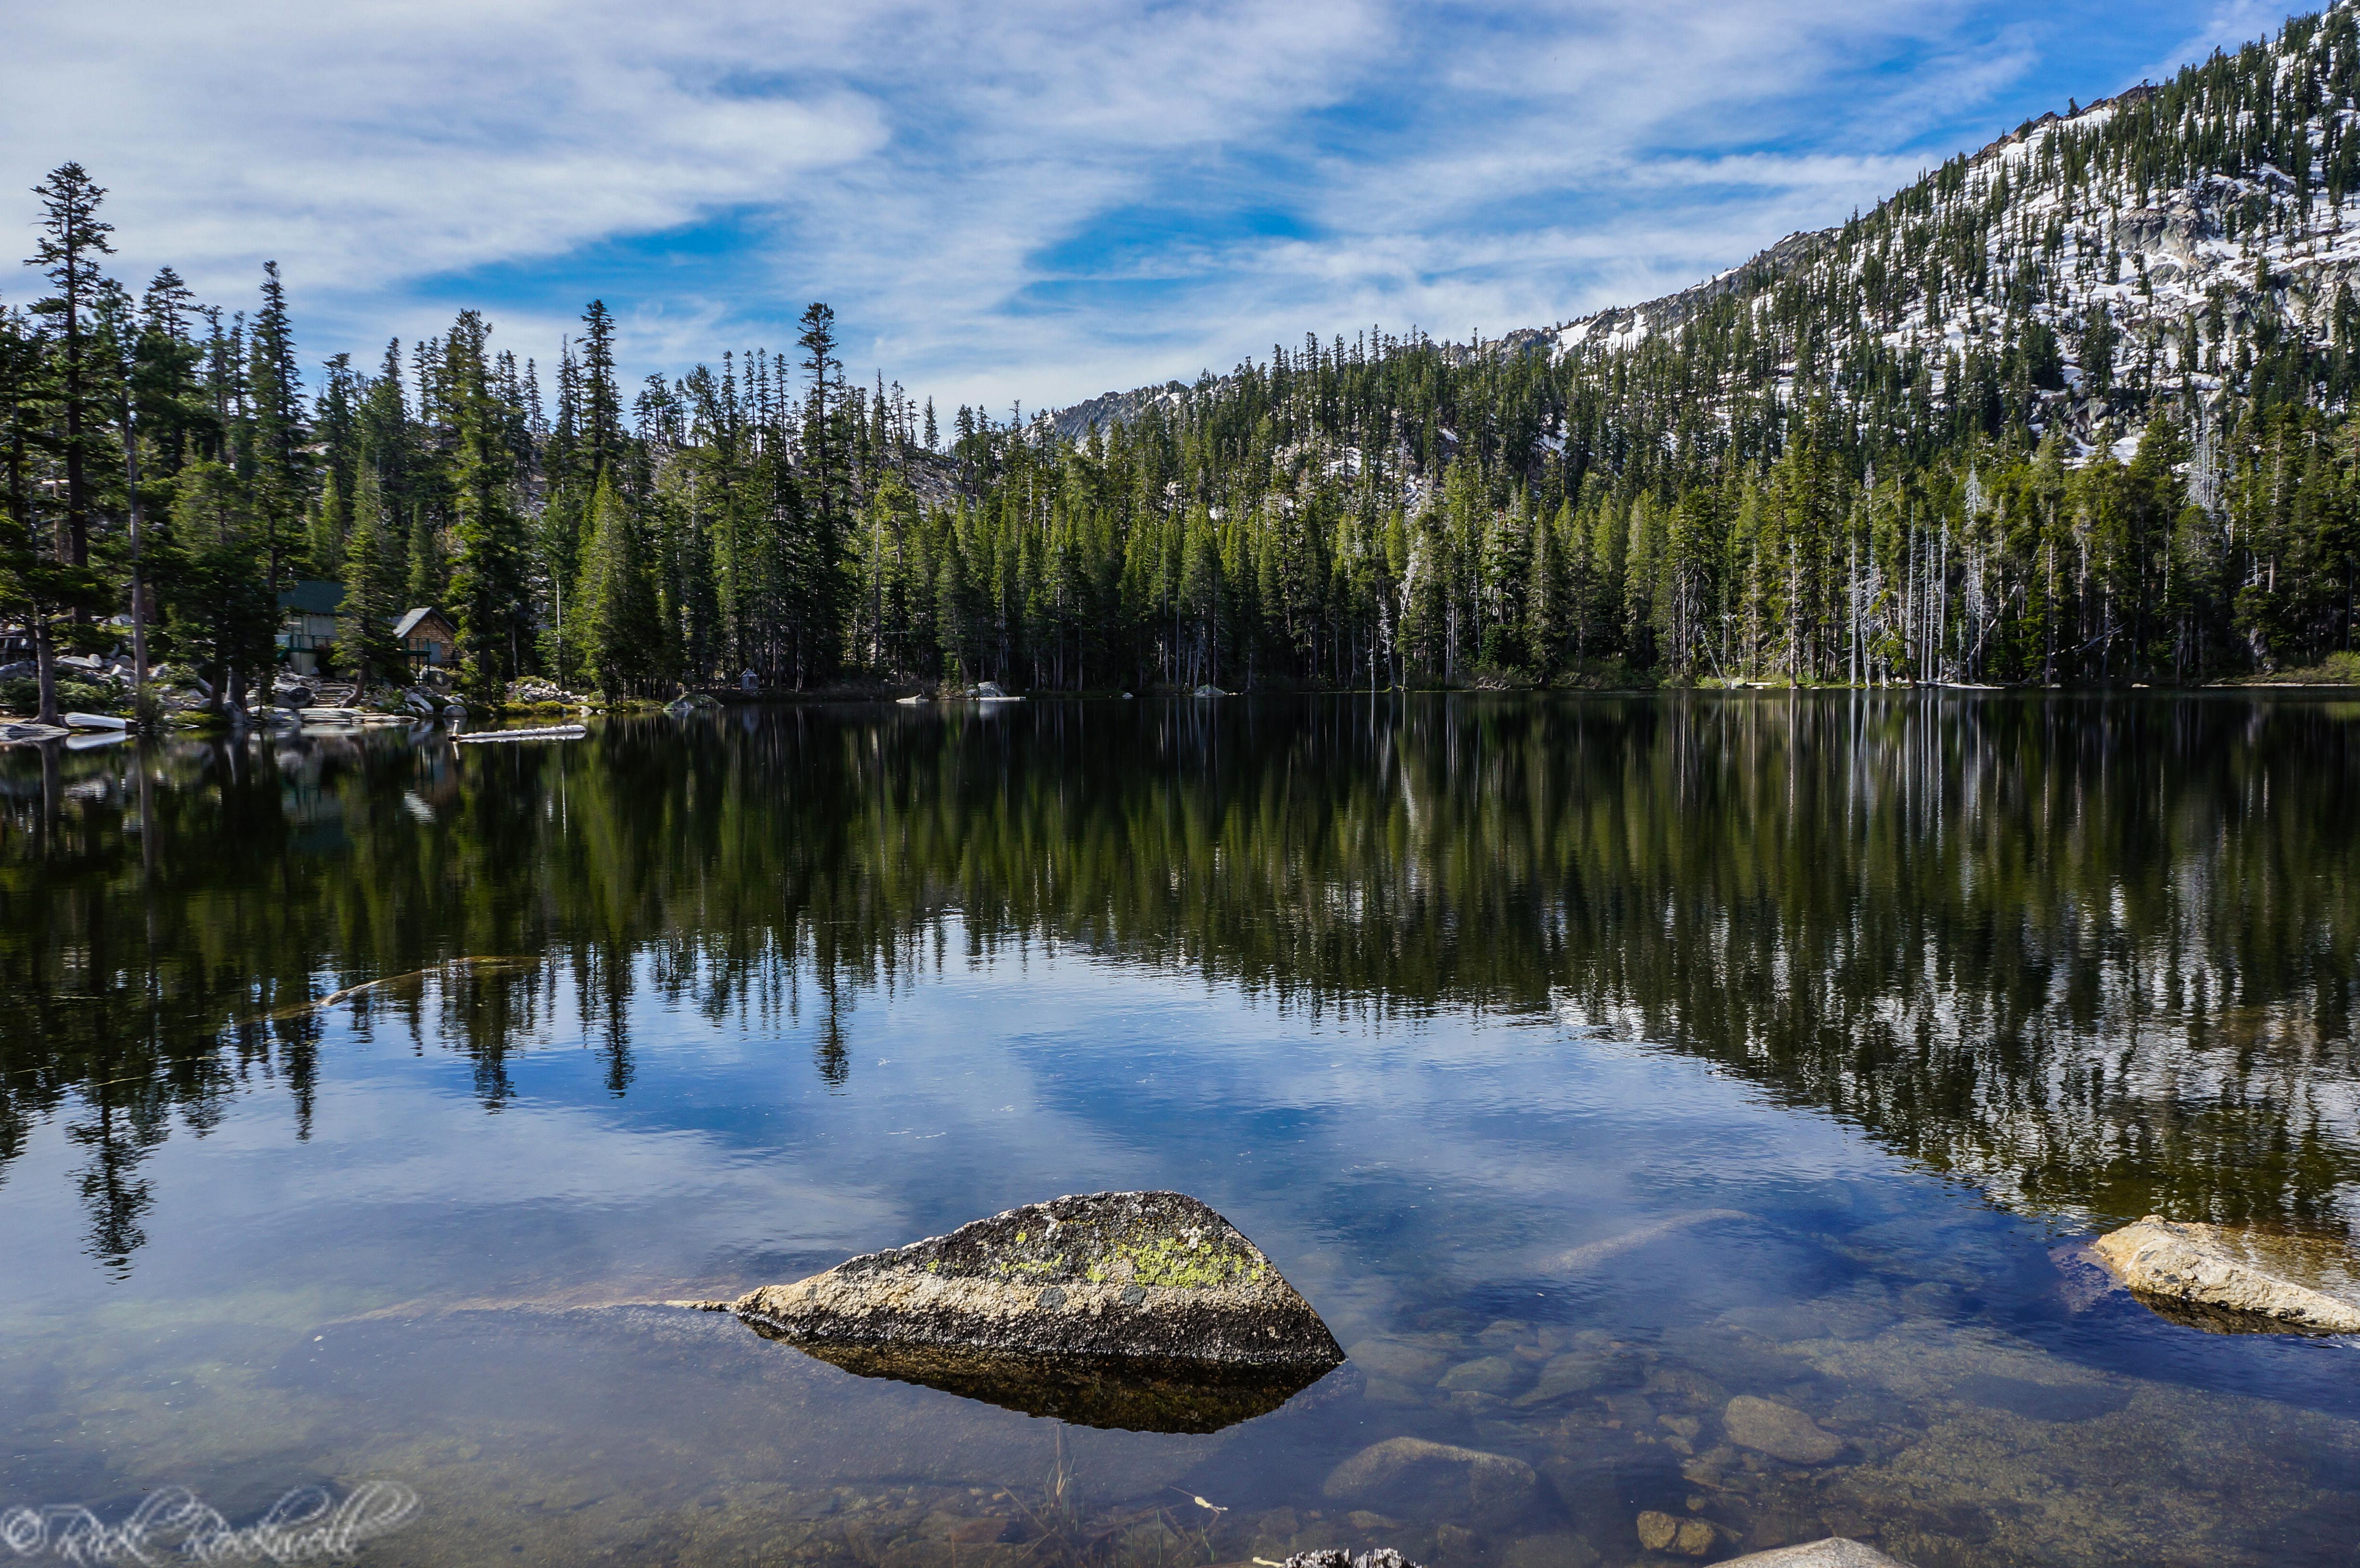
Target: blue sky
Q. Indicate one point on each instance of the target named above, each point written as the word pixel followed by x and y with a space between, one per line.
pixel 1037 202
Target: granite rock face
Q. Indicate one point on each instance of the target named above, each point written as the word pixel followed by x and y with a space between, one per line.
pixel 1155 1277
pixel 2229 1281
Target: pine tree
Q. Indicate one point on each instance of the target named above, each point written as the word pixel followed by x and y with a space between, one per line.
pixel 426 575
pixel 816 586
pixel 280 470
pixel 489 593
pixel 72 239
pixel 40 584
pixel 616 620
pixel 602 397
pixel 373 581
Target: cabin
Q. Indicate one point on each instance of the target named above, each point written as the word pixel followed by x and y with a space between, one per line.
pixel 427 637
pixel 307 624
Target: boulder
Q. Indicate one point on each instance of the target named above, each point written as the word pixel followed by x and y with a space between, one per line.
pixel 1780 1430
pixel 1835 1551
pixel 1154 1275
pixel 2229 1281
pixel 1668 1532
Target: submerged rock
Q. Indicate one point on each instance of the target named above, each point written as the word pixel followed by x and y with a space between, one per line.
pixel 1666 1532
pixel 1558 1549
pixel 1490 1374
pixel 1589 1255
pixel 2228 1280
pixel 1155 1277
pixel 1780 1430
pixel 1578 1371
pixel 1438 1477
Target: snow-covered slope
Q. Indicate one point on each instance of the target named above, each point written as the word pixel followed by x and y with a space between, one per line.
pixel 2161 245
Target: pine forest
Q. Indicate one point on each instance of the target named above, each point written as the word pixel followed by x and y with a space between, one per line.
pixel 2074 408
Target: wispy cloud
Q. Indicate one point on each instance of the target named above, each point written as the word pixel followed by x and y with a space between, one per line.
pixel 1035 202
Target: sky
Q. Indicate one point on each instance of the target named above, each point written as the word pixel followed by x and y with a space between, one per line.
pixel 1024 203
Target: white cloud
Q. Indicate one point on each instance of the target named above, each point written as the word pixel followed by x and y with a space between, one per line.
pixel 1040 201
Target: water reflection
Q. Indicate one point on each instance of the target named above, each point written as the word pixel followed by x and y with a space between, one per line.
pixel 1599 1069
pixel 2095 955
pixel 1121 1393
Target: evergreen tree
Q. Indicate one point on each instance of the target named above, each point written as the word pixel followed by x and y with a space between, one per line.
pixel 72 238
pixel 619 625
pixel 373 581
pixel 488 590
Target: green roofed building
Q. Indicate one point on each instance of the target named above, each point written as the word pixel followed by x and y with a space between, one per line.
pixel 308 621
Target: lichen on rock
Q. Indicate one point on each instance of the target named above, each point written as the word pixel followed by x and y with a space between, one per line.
pixel 1156 1276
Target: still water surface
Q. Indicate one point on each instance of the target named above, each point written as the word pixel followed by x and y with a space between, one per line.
pixel 1597 1067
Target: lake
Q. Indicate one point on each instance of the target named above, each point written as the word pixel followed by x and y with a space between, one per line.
pixel 1691 1105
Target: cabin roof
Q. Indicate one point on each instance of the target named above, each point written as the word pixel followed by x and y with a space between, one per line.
pixel 411 619
pixel 313 597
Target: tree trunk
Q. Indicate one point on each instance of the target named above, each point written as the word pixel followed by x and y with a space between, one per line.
pixel 45 663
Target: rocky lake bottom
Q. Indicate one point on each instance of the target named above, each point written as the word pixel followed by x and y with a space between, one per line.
pixel 1689 1117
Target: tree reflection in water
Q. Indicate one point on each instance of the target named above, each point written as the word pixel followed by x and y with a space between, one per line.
pixel 2094 954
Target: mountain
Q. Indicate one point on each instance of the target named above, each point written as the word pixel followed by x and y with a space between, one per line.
pixel 2181 243
pixel 2076 407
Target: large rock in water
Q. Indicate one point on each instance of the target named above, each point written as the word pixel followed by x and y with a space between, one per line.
pixel 1835 1551
pixel 1139 1309
pixel 2228 1280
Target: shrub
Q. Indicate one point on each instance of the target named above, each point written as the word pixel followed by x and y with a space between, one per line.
pixel 23 695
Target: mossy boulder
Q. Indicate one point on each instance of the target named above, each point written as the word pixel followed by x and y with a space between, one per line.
pixel 1156 1276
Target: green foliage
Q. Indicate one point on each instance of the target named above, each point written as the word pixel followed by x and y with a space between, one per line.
pixel 22 694
pixel 1962 437
pixel 615 606
pixel 372 582
pixel 488 590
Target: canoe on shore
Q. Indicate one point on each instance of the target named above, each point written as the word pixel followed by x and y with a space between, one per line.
pixel 96 722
